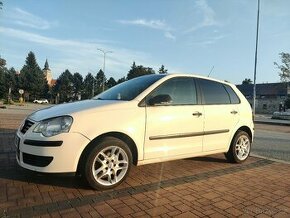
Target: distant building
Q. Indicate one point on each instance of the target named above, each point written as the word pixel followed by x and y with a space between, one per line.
pixel 270 97
pixel 48 75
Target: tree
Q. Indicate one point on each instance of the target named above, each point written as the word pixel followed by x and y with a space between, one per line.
pixel 3 72
pixel 247 81
pixel 1 4
pixel 8 81
pixel 2 62
pixel 100 81
pixel 77 85
pixel 284 67
pixel 88 86
pixel 32 79
pixel 64 86
pixel 123 79
pixel 137 71
pixel 162 70
pixel 111 82
pixel 287 103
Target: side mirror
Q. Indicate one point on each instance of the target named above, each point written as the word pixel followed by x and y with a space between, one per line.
pixel 160 100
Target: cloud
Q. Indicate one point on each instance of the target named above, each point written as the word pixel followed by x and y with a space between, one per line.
pixel 169 35
pixel 209 40
pixel 153 24
pixel 24 18
pixel 80 56
pixel 208 16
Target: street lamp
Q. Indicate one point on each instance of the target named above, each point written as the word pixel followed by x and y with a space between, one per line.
pixel 256 55
pixel 104 52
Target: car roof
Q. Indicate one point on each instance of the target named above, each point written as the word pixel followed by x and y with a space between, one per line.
pixel 196 76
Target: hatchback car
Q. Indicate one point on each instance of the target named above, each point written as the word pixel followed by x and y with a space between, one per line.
pixel 145 120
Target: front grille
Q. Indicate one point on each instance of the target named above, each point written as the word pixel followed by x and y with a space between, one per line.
pixel 35 160
pixel 26 126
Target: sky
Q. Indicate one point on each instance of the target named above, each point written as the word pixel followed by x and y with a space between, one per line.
pixel 203 37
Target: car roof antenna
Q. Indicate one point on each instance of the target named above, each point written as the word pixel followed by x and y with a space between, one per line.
pixel 210 71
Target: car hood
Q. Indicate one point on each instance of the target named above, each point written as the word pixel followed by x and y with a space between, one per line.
pixel 69 109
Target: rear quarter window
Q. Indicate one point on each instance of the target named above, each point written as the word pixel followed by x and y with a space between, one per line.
pixel 233 96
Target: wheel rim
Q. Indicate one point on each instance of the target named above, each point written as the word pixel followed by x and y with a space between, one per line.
pixel 243 147
pixel 110 165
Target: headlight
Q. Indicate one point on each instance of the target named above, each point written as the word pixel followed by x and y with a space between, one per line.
pixel 54 126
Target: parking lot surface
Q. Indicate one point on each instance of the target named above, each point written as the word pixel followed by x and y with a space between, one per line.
pixel 195 187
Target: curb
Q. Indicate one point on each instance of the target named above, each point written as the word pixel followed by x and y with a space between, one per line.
pixel 272 123
pixel 271 159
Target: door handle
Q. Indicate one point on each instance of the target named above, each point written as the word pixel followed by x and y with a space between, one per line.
pixel 234 112
pixel 197 114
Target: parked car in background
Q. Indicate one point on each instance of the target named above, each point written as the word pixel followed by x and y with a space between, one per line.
pixel 41 101
pixel 145 120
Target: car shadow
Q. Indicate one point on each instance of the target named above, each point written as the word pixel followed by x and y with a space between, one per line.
pixel 219 159
pixel 17 173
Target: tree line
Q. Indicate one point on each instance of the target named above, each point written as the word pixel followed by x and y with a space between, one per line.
pixel 68 86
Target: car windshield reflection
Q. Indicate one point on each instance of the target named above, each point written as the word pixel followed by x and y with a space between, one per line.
pixel 130 89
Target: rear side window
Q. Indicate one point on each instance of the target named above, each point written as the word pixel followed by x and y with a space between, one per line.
pixel 214 92
pixel 233 96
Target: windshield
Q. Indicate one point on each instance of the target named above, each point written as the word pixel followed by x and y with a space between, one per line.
pixel 130 89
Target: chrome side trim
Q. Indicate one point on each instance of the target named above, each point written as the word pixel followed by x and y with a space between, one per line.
pixel 192 134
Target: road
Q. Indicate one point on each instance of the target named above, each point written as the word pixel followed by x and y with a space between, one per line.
pixel 271 141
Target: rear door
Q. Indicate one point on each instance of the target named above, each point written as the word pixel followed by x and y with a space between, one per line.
pixel 221 114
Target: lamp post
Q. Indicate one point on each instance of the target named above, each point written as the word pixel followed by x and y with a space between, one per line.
pixel 104 66
pixel 256 55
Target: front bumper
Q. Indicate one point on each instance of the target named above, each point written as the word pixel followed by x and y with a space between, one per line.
pixel 57 154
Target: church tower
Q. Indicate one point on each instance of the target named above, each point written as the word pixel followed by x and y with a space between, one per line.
pixel 47 73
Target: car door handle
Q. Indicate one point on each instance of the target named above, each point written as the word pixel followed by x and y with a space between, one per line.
pixel 197 114
pixel 234 112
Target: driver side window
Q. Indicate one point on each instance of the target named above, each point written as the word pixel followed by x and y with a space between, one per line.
pixel 181 91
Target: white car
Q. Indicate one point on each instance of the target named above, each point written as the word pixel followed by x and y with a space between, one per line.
pixel 145 120
pixel 41 101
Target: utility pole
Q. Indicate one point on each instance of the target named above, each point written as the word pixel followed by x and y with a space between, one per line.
pixel 104 66
pixel 256 56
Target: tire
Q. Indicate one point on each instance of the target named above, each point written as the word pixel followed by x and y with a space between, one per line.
pixel 107 164
pixel 240 148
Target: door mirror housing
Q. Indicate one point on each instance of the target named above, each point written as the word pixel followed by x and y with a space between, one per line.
pixel 160 100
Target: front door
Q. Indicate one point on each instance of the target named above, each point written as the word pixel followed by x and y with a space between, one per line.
pixel 174 127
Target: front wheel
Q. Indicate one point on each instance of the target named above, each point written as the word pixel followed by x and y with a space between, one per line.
pixel 107 164
pixel 240 148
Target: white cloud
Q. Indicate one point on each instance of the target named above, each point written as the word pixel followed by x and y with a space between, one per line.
pixel 169 35
pixel 154 24
pixel 80 56
pixel 208 16
pixel 209 40
pixel 24 18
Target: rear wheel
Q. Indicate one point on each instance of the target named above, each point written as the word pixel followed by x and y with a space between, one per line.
pixel 240 148
pixel 107 164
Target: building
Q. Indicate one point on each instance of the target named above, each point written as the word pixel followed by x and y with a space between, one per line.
pixel 270 97
pixel 48 75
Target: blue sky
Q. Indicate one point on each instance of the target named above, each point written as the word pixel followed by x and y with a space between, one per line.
pixel 187 36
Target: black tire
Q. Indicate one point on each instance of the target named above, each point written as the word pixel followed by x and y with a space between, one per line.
pixel 107 164
pixel 236 154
